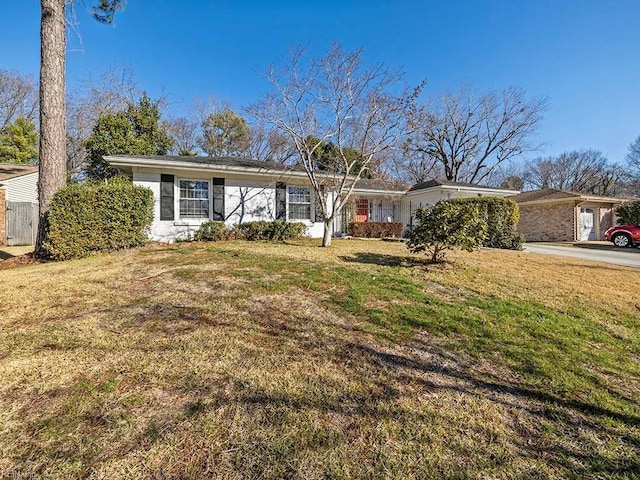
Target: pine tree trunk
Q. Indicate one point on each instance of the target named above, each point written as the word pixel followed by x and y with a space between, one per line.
pixel 52 156
pixel 328 232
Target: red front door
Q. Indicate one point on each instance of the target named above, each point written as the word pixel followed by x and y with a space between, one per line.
pixel 362 210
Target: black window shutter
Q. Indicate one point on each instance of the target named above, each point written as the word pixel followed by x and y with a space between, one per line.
pixel 281 201
pixel 166 197
pixel 218 200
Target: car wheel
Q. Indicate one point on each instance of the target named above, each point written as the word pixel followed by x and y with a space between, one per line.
pixel 621 240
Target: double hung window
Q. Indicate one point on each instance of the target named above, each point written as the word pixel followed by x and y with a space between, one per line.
pixel 299 203
pixel 194 199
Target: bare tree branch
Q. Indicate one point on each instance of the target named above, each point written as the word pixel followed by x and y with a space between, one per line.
pixel 470 137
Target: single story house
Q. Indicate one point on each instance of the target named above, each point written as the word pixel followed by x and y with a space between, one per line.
pixel 191 190
pixel 551 215
pixel 18 204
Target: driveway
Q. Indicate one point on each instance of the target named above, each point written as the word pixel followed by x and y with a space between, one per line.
pixel 596 252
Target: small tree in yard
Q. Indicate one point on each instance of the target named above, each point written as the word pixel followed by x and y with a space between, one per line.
pixel 336 99
pixel 444 226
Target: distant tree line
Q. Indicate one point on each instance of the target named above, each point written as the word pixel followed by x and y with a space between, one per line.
pixel 458 135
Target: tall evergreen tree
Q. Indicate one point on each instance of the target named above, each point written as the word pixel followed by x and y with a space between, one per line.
pixel 133 131
pixel 52 152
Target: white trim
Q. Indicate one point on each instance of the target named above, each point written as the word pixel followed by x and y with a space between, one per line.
pixel 209 199
pixel 483 190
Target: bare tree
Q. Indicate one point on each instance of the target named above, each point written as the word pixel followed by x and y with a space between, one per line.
pixel 585 171
pixel 270 145
pixel 414 166
pixel 633 157
pixel 337 99
pixel 110 93
pixel 471 136
pixel 52 155
pixel 18 98
pixel 184 133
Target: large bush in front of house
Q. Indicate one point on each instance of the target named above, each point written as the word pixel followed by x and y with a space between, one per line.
pixel 276 231
pixel 211 231
pixel 629 213
pixel 501 216
pixel 446 225
pixel 375 229
pixel 97 217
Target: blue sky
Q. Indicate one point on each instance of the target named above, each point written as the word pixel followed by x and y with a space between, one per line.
pixel 583 55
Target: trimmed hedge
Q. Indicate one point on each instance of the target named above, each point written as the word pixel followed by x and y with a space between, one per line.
pixel 276 231
pixel 628 213
pixel 211 232
pixel 96 217
pixel 501 216
pixel 375 229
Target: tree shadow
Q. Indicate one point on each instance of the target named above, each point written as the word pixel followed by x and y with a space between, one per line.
pixel 5 255
pixel 385 260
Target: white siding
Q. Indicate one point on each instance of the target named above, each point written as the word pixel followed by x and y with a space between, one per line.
pixel 22 189
pixel 246 199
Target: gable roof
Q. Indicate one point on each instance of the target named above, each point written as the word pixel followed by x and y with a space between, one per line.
pixel 439 182
pixel 9 170
pixel 436 182
pixel 550 195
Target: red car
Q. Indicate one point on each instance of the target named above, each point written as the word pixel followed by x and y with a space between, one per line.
pixel 624 235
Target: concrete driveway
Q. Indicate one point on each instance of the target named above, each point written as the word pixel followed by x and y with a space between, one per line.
pixel 594 251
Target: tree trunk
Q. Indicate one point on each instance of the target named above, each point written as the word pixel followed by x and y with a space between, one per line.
pixel 52 158
pixel 328 232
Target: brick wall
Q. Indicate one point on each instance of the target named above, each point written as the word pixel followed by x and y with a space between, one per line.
pixel 3 216
pixel 548 222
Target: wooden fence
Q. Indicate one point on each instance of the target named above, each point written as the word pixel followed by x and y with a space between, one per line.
pixel 22 223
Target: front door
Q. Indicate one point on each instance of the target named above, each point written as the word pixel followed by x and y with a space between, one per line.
pixel 362 210
pixel 587 224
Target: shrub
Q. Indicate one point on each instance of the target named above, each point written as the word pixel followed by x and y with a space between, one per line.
pixel 276 231
pixel 445 225
pixel 629 213
pixel 88 218
pixel 375 229
pixel 211 232
pixel 501 216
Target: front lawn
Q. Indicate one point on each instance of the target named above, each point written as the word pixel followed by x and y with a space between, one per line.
pixel 264 361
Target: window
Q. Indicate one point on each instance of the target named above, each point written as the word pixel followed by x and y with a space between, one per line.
pixel 194 199
pixel 299 203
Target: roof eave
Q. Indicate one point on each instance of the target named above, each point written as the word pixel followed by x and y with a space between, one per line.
pixel 203 167
pixel 504 192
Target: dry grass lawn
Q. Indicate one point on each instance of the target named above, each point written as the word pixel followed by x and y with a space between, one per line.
pixel 241 360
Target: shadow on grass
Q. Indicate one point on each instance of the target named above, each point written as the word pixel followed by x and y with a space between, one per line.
pixel 5 255
pixel 385 260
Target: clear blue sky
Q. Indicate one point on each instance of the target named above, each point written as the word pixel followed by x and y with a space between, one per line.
pixel 583 55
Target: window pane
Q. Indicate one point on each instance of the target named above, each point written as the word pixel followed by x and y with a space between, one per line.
pixel 299 203
pixel 194 199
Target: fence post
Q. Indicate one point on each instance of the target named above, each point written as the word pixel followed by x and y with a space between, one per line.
pixel 3 216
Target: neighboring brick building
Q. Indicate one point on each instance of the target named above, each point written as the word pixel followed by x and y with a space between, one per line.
pixel 551 215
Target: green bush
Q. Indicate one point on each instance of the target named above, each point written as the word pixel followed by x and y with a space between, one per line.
pixel 629 213
pixel 276 231
pixel 501 216
pixel 211 232
pixel 445 225
pixel 375 229
pixel 89 218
